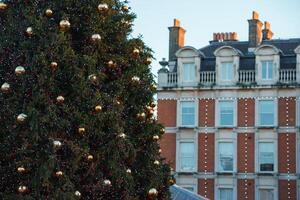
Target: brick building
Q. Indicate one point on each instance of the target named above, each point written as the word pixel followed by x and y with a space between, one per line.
pixel 232 114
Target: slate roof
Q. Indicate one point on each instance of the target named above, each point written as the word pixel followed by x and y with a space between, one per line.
pixel 179 193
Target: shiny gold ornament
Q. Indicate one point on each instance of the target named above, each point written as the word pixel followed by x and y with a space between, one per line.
pixel 136 52
pixel 54 66
pixel 156 162
pixel 21 170
pixel 148 61
pixel 93 78
pixel 64 25
pixel 102 7
pixel 141 116
pixel 57 143
pixel 3 6
pixel 135 79
pixel 49 13
pixel 5 88
pixel 172 181
pixel 90 157
pixel 128 171
pixel 111 64
pixel 77 194
pixel 155 137
pixel 81 131
pixel 60 99
pixel 22 189
pixel 59 174
pixel 19 70
pixel 98 108
pixel 122 135
pixel 21 118
pixel 162 131
pixel 95 38
pixel 159 151
pixel 107 182
pixel 125 8
pixel 29 31
pixel 118 103
pixel 152 193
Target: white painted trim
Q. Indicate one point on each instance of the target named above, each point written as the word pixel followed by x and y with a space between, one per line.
pixel 257 113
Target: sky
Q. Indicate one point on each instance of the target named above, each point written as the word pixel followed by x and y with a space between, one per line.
pixel 201 18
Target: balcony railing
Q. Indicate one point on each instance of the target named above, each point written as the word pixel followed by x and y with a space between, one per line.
pixel 172 78
pixel 246 76
pixel 207 78
pixel 287 76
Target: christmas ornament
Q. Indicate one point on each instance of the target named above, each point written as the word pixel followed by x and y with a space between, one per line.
pixel 77 193
pixel 156 162
pixel 152 104
pixel 118 102
pixel 152 193
pixel 53 65
pixel 57 143
pixel 49 12
pixel 29 31
pixel 172 181
pixel 93 78
pixel 128 171
pixel 135 52
pixel 111 64
pixel 153 87
pixel 19 70
pixel 122 135
pixel 3 6
pixel 64 25
pixel 98 108
pixel 135 79
pixel 125 8
pixel 60 99
pixel 148 61
pixel 59 174
pixel 102 7
pixel 22 189
pixel 90 157
pixel 107 182
pixel 155 137
pixel 21 169
pixel 162 131
pixel 21 118
pixel 159 151
pixel 141 116
pixel 5 88
pixel 81 131
pixel 96 38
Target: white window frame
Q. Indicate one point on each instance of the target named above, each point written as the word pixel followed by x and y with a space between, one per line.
pixel 179 156
pixel 179 115
pixel 233 68
pixel 226 187
pixel 183 71
pixel 257 167
pixel 257 112
pixel 218 113
pixel 270 142
pixel 266 188
pixel 273 73
pixel 217 157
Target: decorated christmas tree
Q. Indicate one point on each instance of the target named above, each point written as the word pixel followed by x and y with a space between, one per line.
pixel 77 106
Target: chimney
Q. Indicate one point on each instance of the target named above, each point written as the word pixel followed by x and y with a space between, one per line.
pixel 228 36
pixel 176 39
pixel 255 30
pixel 267 33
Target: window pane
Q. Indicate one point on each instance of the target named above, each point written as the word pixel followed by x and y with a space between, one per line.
pixel 226 156
pixel 187 155
pixel 226 193
pixel 189 72
pixel 270 70
pixel 267 70
pixel 266 194
pixel 226 113
pixel 264 70
pixel 227 71
pixel 266 156
pixel 189 188
pixel 266 109
pixel 187 113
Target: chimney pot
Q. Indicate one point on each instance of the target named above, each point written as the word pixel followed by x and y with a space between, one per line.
pixel 176 23
pixel 267 25
pixel 255 15
pixel 214 36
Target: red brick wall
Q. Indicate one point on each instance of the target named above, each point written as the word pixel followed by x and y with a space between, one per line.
pixel 210 112
pixel 246 112
pixel 283 189
pixel 286 106
pixel 168 148
pixel 166 112
pixel 242 192
pixel 209 188
pixel 210 137
pixel 241 152
pixel 283 155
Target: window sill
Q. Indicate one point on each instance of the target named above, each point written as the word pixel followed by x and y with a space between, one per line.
pixel 187 172
pixel 226 173
pixel 226 127
pixel 267 173
pixel 266 126
pixel 187 127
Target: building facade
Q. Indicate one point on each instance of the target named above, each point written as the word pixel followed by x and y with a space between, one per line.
pixel 232 114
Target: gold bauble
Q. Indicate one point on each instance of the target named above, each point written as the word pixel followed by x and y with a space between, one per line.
pixel 21 118
pixel 107 182
pixel 128 171
pixel 49 12
pixel 29 31
pixel 19 70
pixel 102 7
pixel 98 108
pixel 5 88
pixel 60 99
pixel 77 194
pixel 53 65
pixel 81 131
pixel 22 189
pixel 162 131
pixel 122 135
pixel 57 143
pixel 95 38
pixel 3 6
pixel 156 162
pixel 125 8
pixel 148 61
pixel 136 53
pixel 153 87
pixel 21 169
pixel 93 78
pixel 152 193
pixel 90 157
pixel 159 150
pixel 141 116
pixel 172 181
pixel 111 64
pixel 64 25
pixel 59 174
pixel 155 137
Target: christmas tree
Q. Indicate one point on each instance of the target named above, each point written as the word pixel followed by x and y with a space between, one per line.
pixel 77 104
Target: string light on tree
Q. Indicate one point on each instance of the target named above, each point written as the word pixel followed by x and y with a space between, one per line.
pixel 107 182
pixel 22 189
pixel 29 31
pixel 153 193
pixel 54 66
pixel 96 38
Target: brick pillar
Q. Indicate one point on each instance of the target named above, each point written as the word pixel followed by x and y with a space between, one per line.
pixel 168 148
pixel 246 112
pixel 286 152
pixel 246 189
pixel 209 162
pixel 287 190
pixel 206 188
pixel 286 111
pixel 245 152
pixel 207 112
pixel 166 112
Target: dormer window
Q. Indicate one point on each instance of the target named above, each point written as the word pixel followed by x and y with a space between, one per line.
pixel 227 71
pixel 267 70
pixel 189 72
